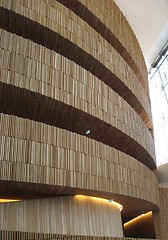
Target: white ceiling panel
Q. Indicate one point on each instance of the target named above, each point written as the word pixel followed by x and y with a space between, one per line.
pixel 149 21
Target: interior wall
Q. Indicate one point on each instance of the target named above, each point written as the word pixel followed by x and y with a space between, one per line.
pixel 8 235
pixel 65 69
pixel 80 215
pixel 164 212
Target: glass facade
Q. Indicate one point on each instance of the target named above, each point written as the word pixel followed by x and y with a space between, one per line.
pixel 158 85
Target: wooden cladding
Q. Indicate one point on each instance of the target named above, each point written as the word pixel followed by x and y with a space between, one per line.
pixel 14 235
pixel 85 216
pixel 40 108
pixel 95 54
pixel 83 12
pixel 163 220
pixel 109 14
pixel 51 74
pixel 39 153
pixel 60 78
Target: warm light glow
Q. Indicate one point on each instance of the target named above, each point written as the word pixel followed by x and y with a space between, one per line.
pixel 107 201
pixel 8 200
pixel 140 217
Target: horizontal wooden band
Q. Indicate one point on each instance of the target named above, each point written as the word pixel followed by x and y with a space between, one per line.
pixel 55 76
pixel 34 31
pixel 55 156
pixel 83 12
pixel 110 14
pixel 7 235
pixel 53 215
pixel 35 106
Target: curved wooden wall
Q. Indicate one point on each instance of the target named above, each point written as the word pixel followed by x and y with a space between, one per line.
pixel 42 154
pixel 86 216
pixel 64 81
pixel 92 53
pixel 164 212
pixel 16 235
pixel 106 18
pixel 65 69
pixel 162 216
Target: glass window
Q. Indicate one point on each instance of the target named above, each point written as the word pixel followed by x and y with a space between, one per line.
pixel 158 85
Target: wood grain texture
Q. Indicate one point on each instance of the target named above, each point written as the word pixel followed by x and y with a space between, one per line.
pixel 60 76
pixel 110 15
pixel 91 52
pixel 65 81
pixel 163 214
pixel 37 107
pixel 8 235
pixel 39 153
pixel 83 12
pixel 86 216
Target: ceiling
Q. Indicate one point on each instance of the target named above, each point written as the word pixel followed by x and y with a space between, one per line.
pixel 149 21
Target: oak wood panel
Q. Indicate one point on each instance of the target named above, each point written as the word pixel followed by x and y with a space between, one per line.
pixel 53 75
pixel 85 216
pixel 8 235
pixel 44 109
pixel 163 214
pixel 31 167
pixel 105 64
pixel 37 153
pixel 83 12
pixel 109 13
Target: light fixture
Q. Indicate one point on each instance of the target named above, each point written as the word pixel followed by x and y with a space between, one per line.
pixel 4 200
pixel 106 201
pixel 88 132
pixel 142 216
pixel 143 213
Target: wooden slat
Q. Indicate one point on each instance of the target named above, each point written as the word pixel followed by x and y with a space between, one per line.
pixel 57 82
pixel 64 159
pixel 7 235
pixel 104 67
